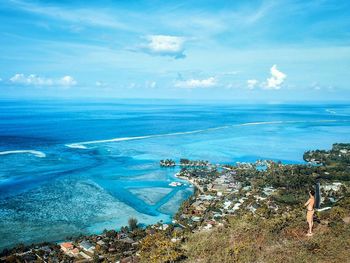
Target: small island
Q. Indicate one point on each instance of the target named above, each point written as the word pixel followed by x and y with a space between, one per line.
pixel 183 163
pixel 247 212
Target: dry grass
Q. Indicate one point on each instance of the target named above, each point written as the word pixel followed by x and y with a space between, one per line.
pixel 258 240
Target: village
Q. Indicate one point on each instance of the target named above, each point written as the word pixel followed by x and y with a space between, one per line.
pixel 264 189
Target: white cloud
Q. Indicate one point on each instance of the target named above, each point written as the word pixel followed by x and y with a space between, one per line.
pixel 31 79
pixel 276 79
pixel 197 83
pixel 67 81
pixel 101 84
pixel 251 83
pixel 274 82
pixel 151 84
pixel 315 86
pixel 164 45
pixel 34 80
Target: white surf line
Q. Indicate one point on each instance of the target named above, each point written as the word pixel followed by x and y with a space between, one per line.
pixel 283 122
pixel 36 153
pixel 81 145
pixel 333 112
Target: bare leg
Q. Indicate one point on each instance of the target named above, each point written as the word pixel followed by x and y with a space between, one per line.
pixel 310 221
pixel 311 226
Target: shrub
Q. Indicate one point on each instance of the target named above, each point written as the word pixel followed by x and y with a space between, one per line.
pixel 158 248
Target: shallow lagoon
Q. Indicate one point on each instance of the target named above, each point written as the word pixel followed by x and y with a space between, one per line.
pixel 72 190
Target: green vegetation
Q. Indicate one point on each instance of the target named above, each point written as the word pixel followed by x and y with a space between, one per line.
pixel 278 235
pixel 132 223
pixel 167 163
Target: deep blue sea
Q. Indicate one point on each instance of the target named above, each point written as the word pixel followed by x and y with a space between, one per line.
pixel 71 167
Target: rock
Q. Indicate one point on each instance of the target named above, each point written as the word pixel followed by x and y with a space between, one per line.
pixel 346 220
pixel 324 222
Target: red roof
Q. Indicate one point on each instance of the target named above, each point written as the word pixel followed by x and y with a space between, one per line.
pixel 67 245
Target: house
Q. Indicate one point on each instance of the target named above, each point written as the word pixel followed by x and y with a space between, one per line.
pixel 81 253
pixel 206 197
pixel 197 203
pixel 101 242
pixel 74 252
pixel 217 215
pixel 111 249
pixel 135 244
pixel 121 235
pixel 197 212
pixel 46 249
pixel 130 259
pixel 196 218
pixel 87 246
pixel 201 208
pixel 208 227
pixel 66 246
pixel 163 227
pixel 127 240
pixel 227 204
pixel 212 222
pixel 220 186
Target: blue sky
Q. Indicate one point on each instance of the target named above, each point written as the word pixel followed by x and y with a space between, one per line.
pixel 269 51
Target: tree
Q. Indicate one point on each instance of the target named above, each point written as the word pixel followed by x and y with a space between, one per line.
pixel 132 223
pixel 124 229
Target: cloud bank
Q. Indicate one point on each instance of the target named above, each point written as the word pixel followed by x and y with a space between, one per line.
pixel 196 83
pixel 34 80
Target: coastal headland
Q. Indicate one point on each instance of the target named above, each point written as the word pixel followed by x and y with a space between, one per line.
pixel 247 212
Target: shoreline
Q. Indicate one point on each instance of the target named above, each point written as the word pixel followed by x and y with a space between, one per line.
pixel 192 183
pixel 226 194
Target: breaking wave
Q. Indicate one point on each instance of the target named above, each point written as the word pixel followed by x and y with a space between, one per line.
pixel 82 145
pixel 33 152
pixel 333 112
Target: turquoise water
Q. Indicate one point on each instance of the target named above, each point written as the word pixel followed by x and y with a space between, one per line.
pixel 70 167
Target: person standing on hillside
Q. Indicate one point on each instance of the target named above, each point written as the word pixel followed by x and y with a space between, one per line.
pixel 310 211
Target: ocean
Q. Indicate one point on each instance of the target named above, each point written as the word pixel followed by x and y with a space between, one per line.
pixel 79 167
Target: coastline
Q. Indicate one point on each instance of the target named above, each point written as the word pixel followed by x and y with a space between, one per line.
pixel 192 182
pixel 228 196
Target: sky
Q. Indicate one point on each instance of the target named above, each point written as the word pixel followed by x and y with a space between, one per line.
pixel 265 51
